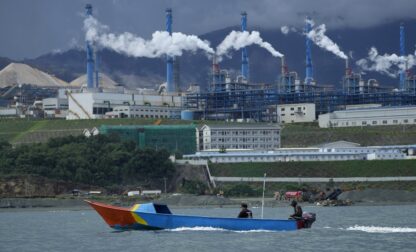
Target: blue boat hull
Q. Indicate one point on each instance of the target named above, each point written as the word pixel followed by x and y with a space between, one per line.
pixel 166 221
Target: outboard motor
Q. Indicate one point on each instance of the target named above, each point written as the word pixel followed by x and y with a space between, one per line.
pixel 308 219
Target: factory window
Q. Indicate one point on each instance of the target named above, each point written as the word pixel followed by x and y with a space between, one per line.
pixel 141 116
pixel 374 122
pixel 292 114
pixel 282 109
pixel 364 123
pixel 395 121
pixel 384 121
pixel 292 108
pixel 405 121
pixel 304 108
pixel 283 114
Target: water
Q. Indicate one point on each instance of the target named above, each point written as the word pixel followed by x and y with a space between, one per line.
pixel 355 228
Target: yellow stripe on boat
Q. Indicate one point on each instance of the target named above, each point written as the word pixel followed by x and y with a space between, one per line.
pixel 136 217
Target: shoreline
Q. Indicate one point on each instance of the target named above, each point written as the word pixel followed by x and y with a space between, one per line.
pixel 173 201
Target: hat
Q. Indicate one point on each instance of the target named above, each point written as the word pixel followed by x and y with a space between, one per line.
pixel 293 203
pixel 244 205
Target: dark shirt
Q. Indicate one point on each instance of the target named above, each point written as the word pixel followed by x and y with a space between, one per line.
pixel 245 213
pixel 297 212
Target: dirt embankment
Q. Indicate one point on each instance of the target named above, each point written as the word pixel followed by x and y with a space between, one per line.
pixel 35 186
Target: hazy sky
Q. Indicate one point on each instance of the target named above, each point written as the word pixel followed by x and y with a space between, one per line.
pixel 32 27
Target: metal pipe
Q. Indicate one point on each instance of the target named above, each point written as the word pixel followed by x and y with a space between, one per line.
pixel 402 53
pixel 244 53
pixel 309 68
pixel 169 59
pixel 90 54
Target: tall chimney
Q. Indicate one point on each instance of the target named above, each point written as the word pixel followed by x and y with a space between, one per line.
pixel 402 53
pixel 309 69
pixel 244 54
pixel 169 60
pixel 90 54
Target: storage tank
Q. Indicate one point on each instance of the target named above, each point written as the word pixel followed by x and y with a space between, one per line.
pixel 187 115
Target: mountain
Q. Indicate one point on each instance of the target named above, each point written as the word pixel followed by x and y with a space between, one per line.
pixel 195 68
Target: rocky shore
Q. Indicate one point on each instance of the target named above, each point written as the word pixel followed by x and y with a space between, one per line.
pixel 368 197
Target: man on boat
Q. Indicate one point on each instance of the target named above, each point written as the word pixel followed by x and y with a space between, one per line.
pixel 245 212
pixel 297 210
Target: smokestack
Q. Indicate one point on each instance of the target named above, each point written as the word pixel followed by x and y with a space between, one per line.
pixel 309 69
pixel 284 66
pixel 90 54
pixel 215 70
pixel 169 60
pixel 244 54
pixel 347 68
pixel 402 53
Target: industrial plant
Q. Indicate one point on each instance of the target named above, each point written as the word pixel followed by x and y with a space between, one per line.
pixel 229 97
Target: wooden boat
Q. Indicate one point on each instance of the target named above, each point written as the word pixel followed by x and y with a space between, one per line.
pixel 151 216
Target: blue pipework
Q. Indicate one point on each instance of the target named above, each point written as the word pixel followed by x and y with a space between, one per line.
pixel 90 54
pixel 309 69
pixel 96 71
pixel 244 54
pixel 169 59
pixel 402 53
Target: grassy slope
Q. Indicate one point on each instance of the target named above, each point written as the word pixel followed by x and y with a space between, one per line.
pixel 303 135
pixel 26 131
pixel 296 135
pixel 357 168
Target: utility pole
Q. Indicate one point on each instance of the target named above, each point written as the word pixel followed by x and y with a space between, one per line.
pixel 164 179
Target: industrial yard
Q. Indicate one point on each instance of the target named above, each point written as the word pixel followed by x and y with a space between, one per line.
pixel 291 124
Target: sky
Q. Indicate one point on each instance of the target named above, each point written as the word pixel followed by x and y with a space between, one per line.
pixel 33 27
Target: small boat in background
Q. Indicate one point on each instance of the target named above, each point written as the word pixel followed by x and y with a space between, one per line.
pixel 151 216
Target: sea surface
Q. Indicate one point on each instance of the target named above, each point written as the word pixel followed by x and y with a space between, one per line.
pixel 354 228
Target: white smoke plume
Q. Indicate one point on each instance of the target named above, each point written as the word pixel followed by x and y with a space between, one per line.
pixel 237 40
pixel 285 29
pixel 160 44
pixel 317 35
pixel 388 64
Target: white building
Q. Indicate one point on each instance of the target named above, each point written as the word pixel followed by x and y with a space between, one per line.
pixel 94 105
pixel 137 111
pixel 294 113
pixel 238 136
pixel 369 117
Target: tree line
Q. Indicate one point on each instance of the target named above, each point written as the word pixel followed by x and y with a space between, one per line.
pixel 98 160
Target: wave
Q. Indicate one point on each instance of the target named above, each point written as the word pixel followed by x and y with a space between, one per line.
pixel 196 229
pixel 375 229
pixel 181 229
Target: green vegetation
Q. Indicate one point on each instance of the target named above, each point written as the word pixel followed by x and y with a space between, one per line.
pixel 100 161
pixel 355 168
pixel 32 131
pixel 194 187
pixel 293 135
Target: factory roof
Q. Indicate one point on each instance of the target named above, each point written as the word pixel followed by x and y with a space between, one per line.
pixel 241 126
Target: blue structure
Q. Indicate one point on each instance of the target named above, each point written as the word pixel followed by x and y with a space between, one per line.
pixel 309 69
pixel 402 53
pixel 244 54
pixel 97 82
pixel 90 54
pixel 169 59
